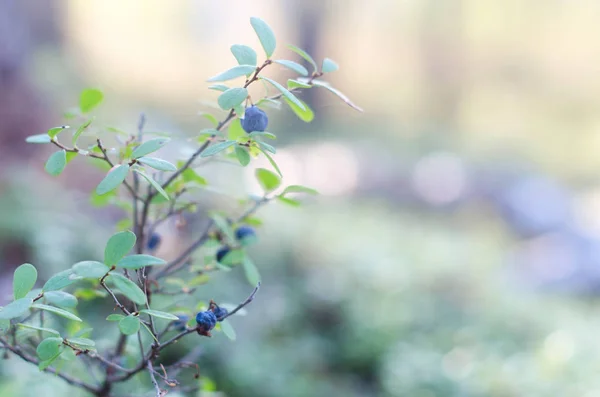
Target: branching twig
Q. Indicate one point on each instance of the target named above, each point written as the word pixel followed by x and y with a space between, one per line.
pixel 159 392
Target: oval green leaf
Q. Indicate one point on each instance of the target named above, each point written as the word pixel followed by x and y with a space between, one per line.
pixel 82 342
pixel 52 132
pixel 61 299
pixel 299 189
pixel 90 269
pixel 56 310
pixel 232 98
pixel 216 148
pixel 139 261
pixel 304 55
pixel 296 67
pixel 159 314
pixel 48 330
pixel 244 54
pixel 306 114
pixel 148 147
pixel 287 94
pixel 329 66
pixel 80 130
pixel 265 35
pixel 291 84
pixel 128 288
pixel 113 179
pixel 118 246
pixel 39 138
pixel 273 163
pixel 115 317
pixel 49 348
pixel 15 309
pixel 24 279
pixel 218 87
pixel 89 99
pixel 129 325
pixel 60 280
pixel 251 271
pixel 56 163
pixel 157 164
pixel 234 72
pixel 242 155
pixel 267 179
pixel 154 184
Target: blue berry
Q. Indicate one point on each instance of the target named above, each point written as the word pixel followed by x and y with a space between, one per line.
pixel 153 241
pixel 221 253
pixel 220 312
pixel 206 320
pixel 181 324
pixel 254 120
pixel 244 231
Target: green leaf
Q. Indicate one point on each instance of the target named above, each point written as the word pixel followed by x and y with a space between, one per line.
pixel 89 99
pixel 223 226
pixel 251 272
pixel 82 342
pixel 262 133
pixel 337 92
pixel 244 54
pixel 236 71
pixel 159 314
pixel 154 184
pixel 56 310
pixel 113 179
pixel 218 87
pixel 115 317
pixel 49 348
pixel 128 288
pixel 80 130
pixel 329 66
pixel 299 189
pixel 4 326
pixel 139 261
pixel 157 164
pixel 232 98
pixel 235 130
pixel 16 308
pixel 129 325
pixel 296 67
pixel 46 363
pixel 291 84
pixel 56 163
pixel 273 163
pixel 49 330
pixel 61 299
pixel 242 155
pixel 289 201
pixel 148 147
pixel 71 156
pixel 52 132
pixel 216 148
pixel 90 269
pixel 189 175
pixel 233 257
pixel 24 279
pixel 305 115
pixel 209 116
pixel 287 94
pixel 266 146
pixel 267 179
pixel 118 246
pixel 265 35
pixel 60 280
pixel 228 329
pixel 40 138
pixel 68 355
pixel 304 55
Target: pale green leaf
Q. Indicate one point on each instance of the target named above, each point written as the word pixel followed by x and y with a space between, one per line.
pixel 56 163
pixel 305 114
pixel 16 308
pixel 287 94
pixel 299 189
pixel 232 97
pixel 337 92
pixel 54 131
pixel 129 325
pixel 329 66
pixel 89 99
pixel 242 155
pixel 304 55
pixel 56 310
pixel 148 147
pixel 244 54
pixel 82 342
pixel 265 35
pixel 49 348
pixel 24 279
pixel 234 72
pixel 251 272
pixel 113 179
pixel 157 164
pixel 291 84
pixel 90 269
pixel 40 138
pixel 43 329
pixel 61 299
pixel 273 163
pixel 159 314
pixel 60 280
pixel 216 148
pixel 128 288
pixel 118 246
pixel 296 67
pixel 228 329
pixel 218 87
pixel 139 261
pixel 267 179
pixel 115 317
pixel 154 184
pixel 80 130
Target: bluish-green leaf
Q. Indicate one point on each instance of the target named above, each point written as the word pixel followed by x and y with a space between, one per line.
pixel 291 84
pixel 304 55
pixel 296 67
pixel 15 309
pixel 251 271
pixel 273 163
pixel 337 92
pixel 113 179
pixel 228 329
pixel 234 72
pixel 265 35
pixel 329 66
pixel 82 342
pixel 157 164
pixel 46 363
pixel 49 348
pixel 80 130
pixel 24 279
pixel 287 94
pixel 54 131
pixel 232 98
pixel 148 147
pixel 129 325
pixel 218 87
pixel 43 329
pixel 216 148
pixel 56 163
pixel 267 179
pixel 89 99
pixel 233 257
pixel 159 314
pixel 154 184
pixel 118 246
pixel 61 299
pixel 128 288
pixel 39 138
pixel 139 261
pixel 299 189
pixel 56 310
pixel 242 155
pixel 90 269
pixel 244 54
pixel 60 280
pixel 115 317
pixel 266 146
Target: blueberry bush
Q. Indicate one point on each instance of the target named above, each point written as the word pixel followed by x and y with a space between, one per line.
pixel 42 324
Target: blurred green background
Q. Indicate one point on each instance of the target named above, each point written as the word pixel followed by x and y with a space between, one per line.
pixel 454 250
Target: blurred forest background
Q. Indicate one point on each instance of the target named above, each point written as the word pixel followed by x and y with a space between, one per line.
pixel 455 248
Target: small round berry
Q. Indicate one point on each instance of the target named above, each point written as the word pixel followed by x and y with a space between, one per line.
pixel 220 312
pixel 153 241
pixel 222 252
pixel 254 120
pixel 181 324
pixel 244 231
pixel 206 320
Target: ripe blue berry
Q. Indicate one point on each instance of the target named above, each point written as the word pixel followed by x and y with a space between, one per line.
pixel 221 253
pixel 181 324
pixel 220 312
pixel 244 231
pixel 206 320
pixel 153 241
pixel 254 119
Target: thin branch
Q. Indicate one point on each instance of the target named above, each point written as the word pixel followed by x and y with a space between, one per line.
pixel 119 304
pixel 244 303
pixel 159 392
